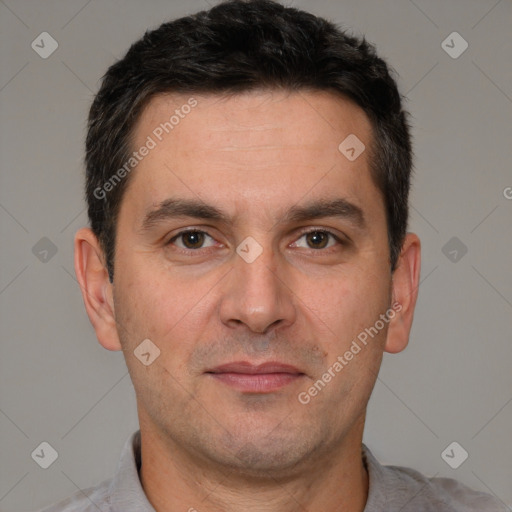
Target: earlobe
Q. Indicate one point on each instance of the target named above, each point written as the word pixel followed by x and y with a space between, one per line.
pixel 96 288
pixel 405 292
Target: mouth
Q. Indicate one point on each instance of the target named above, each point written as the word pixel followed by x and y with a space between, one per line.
pixel 249 378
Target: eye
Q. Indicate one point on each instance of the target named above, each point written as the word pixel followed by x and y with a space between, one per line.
pixel 191 239
pixel 318 239
pixel 195 239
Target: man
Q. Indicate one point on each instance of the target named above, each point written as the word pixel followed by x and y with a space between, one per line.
pixel 248 171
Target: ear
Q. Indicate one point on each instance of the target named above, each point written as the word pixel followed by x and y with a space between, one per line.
pixel 97 290
pixel 405 282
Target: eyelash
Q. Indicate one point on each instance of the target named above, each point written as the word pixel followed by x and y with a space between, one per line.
pixel 190 252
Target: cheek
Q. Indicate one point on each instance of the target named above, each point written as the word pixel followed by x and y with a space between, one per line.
pixel 344 305
pixel 164 306
pixel 155 307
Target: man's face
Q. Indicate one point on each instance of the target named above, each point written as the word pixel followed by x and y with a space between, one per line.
pixel 258 158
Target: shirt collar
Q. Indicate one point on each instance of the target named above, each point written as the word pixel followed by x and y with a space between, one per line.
pixel 126 492
pixel 377 477
pixel 127 495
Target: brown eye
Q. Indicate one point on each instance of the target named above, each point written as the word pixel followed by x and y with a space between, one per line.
pixel 317 239
pixel 191 240
pixel 320 240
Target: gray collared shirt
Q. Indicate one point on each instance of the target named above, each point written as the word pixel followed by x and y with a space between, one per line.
pixel 391 489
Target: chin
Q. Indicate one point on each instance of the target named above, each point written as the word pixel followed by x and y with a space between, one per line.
pixel 268 457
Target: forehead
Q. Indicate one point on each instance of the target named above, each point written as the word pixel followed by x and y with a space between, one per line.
pixel 305 119
pixel 285 145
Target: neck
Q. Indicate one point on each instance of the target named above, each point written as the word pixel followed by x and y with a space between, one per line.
pixel 174 479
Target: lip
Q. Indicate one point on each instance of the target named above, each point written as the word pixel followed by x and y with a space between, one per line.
pixel 248 368
pixel 250 378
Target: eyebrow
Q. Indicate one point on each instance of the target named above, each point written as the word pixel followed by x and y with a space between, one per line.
pixel 174 208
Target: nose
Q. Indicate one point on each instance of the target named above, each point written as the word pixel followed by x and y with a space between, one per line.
pixel 256 295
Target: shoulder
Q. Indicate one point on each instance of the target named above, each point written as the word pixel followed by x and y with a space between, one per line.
pixel 394 488
pixel 442 494
pixel 89 500
pixel 122 493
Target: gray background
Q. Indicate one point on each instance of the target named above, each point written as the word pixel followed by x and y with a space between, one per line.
pixel 453 383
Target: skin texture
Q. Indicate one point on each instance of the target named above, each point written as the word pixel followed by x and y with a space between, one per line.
pixel 206 444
